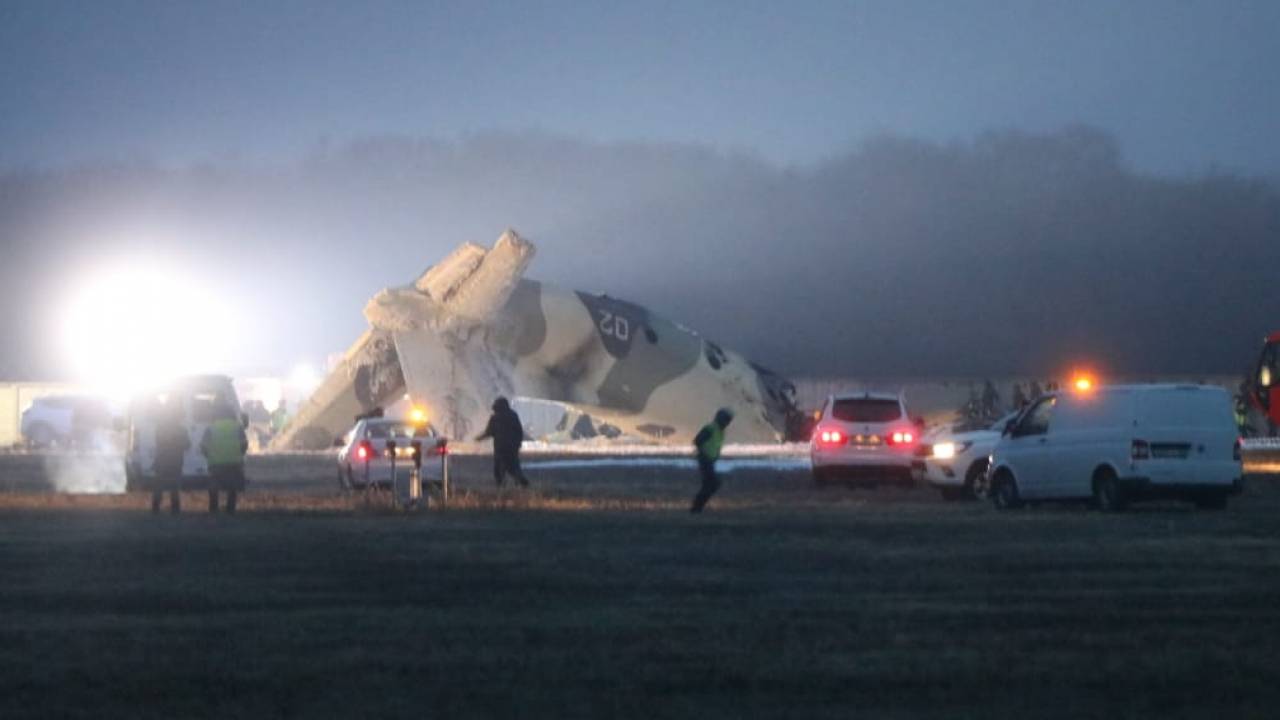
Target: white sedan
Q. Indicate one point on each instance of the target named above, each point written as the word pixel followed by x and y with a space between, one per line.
pixel 369 451
pixel 957 462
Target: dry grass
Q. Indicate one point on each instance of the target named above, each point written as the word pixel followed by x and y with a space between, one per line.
pixel 597 595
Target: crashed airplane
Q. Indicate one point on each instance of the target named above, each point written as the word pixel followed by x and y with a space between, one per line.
pixel 472 328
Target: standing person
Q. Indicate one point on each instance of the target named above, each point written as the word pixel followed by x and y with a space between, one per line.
pixel 279 417
pixel 224 446
pixel 172 441
pixel 1019 397
pixel 990 401
pixel 708 442
pixel 508 435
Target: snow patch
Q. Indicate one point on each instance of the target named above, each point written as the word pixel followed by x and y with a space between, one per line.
pixel 783 464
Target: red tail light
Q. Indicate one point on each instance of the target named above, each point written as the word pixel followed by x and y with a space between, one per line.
pixel 1140 450
pixel 902 437
pixel 364 450
pixel 829 436
pixel 1236 452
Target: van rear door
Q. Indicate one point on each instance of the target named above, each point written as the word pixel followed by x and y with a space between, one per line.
pixel 1189 434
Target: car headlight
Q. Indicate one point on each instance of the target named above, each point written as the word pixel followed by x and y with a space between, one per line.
pixel 948 450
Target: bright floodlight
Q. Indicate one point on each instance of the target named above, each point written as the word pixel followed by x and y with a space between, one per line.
pixel 304 378
pixel 130 327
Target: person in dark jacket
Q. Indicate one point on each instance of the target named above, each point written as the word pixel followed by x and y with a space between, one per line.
pixel 708 442
pixel 508 435
pixel 172 442
pixel 224 446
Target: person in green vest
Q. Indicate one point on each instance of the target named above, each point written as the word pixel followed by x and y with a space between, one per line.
pixel 224 446
pixel 1242 412
pixel 708 442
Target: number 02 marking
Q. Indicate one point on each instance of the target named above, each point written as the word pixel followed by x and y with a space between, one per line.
pixel 615 326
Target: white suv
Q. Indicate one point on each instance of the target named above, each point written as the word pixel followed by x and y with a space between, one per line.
pixel 1121 443
pixel 956 463
pixel 867 435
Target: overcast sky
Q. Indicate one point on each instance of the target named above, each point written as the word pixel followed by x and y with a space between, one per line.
pixel 1184 86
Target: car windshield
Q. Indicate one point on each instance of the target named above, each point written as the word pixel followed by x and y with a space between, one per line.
pixel 999 425
pixel 866 410
pixel 395 431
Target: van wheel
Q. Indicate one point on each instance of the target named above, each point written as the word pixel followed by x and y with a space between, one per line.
pixel 975 481
pixel 1107 495
pixel 1004 492
pixel 1214 501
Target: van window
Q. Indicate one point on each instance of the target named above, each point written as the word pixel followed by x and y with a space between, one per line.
pixel 1189 407
pixel 1036 421
pixel 204 407
pixel 397 431
pixel 866 410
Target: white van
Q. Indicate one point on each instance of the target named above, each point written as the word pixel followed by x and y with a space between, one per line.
pixel 200 396
pixel 1114 444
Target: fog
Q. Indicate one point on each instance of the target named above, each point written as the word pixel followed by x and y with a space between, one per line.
pixel 1011 252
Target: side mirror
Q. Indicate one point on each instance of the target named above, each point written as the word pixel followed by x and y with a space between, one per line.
pixel 337 442
pixel 244 420
pixel 1009 427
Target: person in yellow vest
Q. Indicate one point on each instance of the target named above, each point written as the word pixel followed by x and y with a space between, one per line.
pixel 708 442
pixel 224 446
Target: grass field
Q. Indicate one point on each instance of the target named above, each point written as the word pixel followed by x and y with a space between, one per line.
pixel 597 595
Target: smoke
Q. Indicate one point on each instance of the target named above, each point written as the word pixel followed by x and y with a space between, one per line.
pixel 1011 253
pixel 95 470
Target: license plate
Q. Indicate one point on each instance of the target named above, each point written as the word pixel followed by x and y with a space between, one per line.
pixel 1170 450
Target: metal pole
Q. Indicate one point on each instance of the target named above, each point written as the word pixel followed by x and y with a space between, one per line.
pixel 395 496
pixel 415 488
pixel 444 477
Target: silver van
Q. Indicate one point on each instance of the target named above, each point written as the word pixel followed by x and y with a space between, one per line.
pixel 200 398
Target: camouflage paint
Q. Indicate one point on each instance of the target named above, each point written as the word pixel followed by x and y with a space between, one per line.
pixel 491 332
